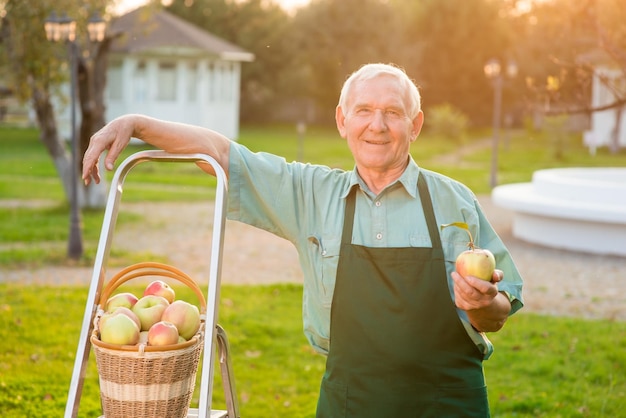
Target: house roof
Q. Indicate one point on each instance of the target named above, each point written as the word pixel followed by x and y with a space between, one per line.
pixel 147 29
pixel 600 58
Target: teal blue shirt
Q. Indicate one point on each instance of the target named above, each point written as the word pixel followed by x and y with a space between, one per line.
pixel 304 204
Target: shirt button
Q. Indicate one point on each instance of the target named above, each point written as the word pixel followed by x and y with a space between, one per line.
pixel 379 236
pixel 378 203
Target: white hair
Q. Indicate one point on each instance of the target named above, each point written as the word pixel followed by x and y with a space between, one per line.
pixel 370 71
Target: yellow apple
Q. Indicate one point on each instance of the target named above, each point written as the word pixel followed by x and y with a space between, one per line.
pixel 119 329
pixel 120 310
pixel 185 316
pixel 476 262
pixel 149 310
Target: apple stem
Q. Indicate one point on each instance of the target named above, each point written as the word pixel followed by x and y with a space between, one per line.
pixel 464 226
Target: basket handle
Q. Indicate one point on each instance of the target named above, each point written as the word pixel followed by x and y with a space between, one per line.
pixel 151 268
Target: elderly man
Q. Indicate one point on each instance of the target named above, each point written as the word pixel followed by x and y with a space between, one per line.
pixel 403 332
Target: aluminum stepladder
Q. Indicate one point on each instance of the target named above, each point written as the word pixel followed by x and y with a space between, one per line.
pixel 214 342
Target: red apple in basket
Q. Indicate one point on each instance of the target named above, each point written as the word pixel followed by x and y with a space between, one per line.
pixel 185 316
pixel 163 333
pixel 160 288
pixel 477 262
pixel 149 310
pixel 119 329
pixel 125 299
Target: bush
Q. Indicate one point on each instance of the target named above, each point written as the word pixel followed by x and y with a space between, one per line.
pixel 447 121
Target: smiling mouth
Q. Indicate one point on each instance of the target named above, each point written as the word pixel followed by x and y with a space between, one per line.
pixel 374 142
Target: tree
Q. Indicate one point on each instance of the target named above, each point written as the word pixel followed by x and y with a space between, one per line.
pixel 332 40
pixel 456 38
pixel 38 68
pixel 563 45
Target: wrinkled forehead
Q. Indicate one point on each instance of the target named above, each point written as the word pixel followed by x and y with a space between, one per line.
pixel 379 88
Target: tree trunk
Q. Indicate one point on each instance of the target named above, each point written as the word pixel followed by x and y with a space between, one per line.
pixel 49 136
pixel 617 131
pixel 91 86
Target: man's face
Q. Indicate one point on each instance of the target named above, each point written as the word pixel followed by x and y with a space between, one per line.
pixel 377 126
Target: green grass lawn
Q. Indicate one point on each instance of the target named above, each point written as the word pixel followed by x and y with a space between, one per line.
pixel 543 366
pixel 39 235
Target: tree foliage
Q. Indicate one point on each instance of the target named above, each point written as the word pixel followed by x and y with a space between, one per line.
pixel 562 44
pixel 456 40
pixel 332 41
pixel 303 58
pixel 37 68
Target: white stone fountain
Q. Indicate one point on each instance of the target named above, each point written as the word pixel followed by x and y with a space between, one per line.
pixel 580 209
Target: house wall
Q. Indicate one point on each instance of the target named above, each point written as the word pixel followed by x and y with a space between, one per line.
pixel 603 123
pixel 194 90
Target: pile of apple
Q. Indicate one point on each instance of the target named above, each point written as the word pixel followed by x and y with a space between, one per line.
pixel 156 319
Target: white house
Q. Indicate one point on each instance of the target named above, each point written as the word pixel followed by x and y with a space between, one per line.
pixel 607 80
pixel 165 67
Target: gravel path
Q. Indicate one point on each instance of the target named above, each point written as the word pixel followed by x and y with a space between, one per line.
pixel 556 282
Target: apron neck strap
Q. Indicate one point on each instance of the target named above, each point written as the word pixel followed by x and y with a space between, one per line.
pixel 429 212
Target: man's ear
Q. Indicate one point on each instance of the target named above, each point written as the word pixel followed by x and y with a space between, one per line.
pixel 340 119
pixel 418 122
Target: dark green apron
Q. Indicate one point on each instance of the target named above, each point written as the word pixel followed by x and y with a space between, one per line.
pixel 397 345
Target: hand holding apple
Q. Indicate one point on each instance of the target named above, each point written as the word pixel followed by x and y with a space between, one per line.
pixel 477 262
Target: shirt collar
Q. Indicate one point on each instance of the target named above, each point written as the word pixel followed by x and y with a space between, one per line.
pixel 408 179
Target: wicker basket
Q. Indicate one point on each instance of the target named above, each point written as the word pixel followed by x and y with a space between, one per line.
pixel 147 381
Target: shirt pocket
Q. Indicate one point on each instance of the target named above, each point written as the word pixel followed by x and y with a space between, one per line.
pixel 454 243
pixel 420 240
pixel 325 259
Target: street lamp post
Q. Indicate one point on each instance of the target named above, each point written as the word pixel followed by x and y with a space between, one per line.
pixel 493 72
pixel 63 29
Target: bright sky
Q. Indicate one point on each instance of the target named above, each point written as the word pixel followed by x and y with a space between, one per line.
pixel 128 5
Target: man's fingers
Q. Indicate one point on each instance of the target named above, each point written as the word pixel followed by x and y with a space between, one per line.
pixel 497 276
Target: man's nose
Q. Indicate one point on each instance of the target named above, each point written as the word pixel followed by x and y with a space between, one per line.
pixel 378 122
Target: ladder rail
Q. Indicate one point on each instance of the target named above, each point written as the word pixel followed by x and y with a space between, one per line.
pixel 98 276
pixel 228 379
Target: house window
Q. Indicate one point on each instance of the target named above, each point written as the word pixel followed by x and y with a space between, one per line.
pixel 227 73
pixel 115 86
pixel 192 82
pixel 166 87
pixel 212 82
pixel 140 85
